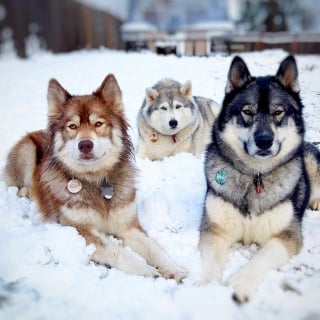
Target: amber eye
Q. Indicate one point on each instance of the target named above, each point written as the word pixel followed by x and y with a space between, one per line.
pixel 278 113
pixel 98 124
pixel 72 126
pixel 248 112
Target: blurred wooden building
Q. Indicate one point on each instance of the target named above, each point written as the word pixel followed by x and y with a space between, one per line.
pixel 64 25
pixel 163 26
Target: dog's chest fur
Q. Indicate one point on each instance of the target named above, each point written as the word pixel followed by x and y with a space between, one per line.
pixel 168 145
pixel 253 229
pixel 88 206
pixel 240 189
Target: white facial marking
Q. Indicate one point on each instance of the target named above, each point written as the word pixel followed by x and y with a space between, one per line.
pixel 285 139
pixel 255 152
pixel 160 119
pixel 105 152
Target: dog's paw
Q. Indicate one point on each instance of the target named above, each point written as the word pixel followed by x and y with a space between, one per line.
pixel 315 204
pixel 178 274
pixel 240 298
pixel 244 288
pixel 148 271
pixel 206 277
pixel 140 268
pixel 201 282
pixel 25 192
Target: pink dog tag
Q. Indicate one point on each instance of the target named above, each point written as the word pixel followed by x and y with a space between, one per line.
pixel 74 186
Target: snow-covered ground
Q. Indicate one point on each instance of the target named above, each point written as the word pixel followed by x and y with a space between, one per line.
pixel 45 270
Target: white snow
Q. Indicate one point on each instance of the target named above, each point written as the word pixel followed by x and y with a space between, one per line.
pixel 45 270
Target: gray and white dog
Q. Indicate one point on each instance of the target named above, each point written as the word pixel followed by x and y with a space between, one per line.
pixel 172 120
pixel 257 169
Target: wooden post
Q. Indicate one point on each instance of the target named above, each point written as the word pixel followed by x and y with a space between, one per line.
pixel 88 27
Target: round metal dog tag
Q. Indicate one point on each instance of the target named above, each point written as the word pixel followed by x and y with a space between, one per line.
pixel 74 186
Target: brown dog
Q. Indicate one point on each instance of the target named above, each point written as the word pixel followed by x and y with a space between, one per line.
pixel 80 170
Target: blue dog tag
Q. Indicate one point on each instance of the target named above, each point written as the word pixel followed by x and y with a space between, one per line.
pixel 220 177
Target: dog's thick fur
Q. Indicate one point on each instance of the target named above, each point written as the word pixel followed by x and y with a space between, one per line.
pixel 312 162
pixel 86 141
pixel 172 120
pixel 257 182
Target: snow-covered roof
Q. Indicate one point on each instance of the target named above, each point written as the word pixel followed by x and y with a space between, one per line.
pixel 138 26
pixel 209 26
pixel 118 8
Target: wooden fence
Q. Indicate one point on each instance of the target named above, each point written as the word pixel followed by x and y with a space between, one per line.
pixel 66 25
pixel 303 43
pixel 295 43
pixel 61 25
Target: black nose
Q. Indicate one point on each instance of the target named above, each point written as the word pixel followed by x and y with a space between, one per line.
pixel 85 146
pixel 173 123
pixel 263 141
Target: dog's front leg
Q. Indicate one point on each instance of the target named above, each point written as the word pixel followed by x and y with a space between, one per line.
pixel 111 252
pixel 272 254
pixel 137 239
pixel 213 250
pixel 220 229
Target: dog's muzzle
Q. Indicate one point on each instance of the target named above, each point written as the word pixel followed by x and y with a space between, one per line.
pixel 264 143
pixel 173 123
pixel 85 147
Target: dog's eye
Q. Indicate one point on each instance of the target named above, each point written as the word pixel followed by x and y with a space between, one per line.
pixel 163 108
pixel 178 106
pixel 72 126
pixel 247 112
pixel 278 113
pixel 98 124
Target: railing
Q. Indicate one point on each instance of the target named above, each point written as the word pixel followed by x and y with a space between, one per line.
pixel 303 43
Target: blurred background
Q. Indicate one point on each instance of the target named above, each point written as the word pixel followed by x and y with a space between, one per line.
pixel 181 27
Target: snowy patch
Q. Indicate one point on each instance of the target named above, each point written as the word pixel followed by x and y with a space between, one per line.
pixel 45 269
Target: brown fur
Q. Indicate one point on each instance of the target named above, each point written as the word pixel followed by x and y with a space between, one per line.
pixel 291 238
pixel 313 169
pixel 44 161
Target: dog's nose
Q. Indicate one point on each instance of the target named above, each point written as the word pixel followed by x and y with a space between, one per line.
pixel 85 146
pixel 173 123
pixel 263 141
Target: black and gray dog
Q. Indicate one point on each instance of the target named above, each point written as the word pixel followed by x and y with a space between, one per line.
pixel 257 169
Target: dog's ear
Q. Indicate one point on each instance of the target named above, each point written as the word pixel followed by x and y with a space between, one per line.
pixel 151 95
pixel 57 96
pixel 238 74
pixel 287 74
pixel 186 89
pixel 111 92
